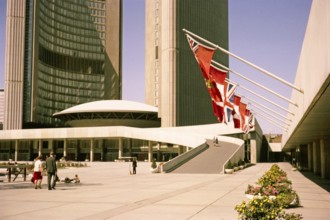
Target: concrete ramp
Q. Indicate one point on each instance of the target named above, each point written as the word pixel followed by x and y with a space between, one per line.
pixel 210 161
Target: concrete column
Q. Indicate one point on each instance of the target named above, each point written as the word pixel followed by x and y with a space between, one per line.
pixel 315 157
pixel 180 150
pixel 40 147
pixel 298 156
pixel 65 147
pixel 310 157
pixel 51 145
pixel 253 151
pixel 16 150
pixel 158 152
pixel 150 151
pixel 323 157
pixel 130 147
pixel 120 148
pixel 91 154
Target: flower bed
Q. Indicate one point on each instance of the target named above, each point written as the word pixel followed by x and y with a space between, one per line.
pixel 272 193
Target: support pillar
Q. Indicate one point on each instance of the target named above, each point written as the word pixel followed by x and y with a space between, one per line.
pixel 323 158
pixel 40 147
pixel 315 157
pixel 180 150
pixel 120 148
pixel 91 156
pixel 310 157
pixel 130 147
pixel 65 147
pixel 150 151
pixel 253 151
pixel 158 152
pixel 16 150
pixel 51 146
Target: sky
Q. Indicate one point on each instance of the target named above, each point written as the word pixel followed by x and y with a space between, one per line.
pixel 268 33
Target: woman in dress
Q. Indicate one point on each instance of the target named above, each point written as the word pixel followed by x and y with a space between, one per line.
pixel 37 174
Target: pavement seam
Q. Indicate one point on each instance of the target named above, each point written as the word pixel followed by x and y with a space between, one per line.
pixel 142 203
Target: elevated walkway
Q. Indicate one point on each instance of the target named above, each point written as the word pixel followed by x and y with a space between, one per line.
pixel 210 161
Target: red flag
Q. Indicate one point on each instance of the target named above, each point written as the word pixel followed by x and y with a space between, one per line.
pixel 213 90
pixel 242 108
pixel 203 55
pixel 248 121
pixel 235 112
pixel 226 90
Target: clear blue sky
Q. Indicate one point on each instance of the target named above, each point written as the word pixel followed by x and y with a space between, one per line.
pixel 268 33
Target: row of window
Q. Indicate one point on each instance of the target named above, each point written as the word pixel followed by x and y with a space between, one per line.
pixel 70 63
pixel 69 26
pixel 64 75
pixel 66 9
pixel 70 52
pixel 74 89
pixel 54 42
pixel 57 93
pixel 96 4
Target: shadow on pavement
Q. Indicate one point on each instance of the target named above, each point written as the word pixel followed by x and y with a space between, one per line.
pixel 324 183
pixel 27 185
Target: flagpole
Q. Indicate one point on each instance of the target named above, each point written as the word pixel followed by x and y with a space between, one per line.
pixel 251 81
pixel 260 96
pixel 271 121
pixel 246 62
pixel 281 120
pixel 254 103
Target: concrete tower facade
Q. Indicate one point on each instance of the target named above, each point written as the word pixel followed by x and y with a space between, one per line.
pixel 173 79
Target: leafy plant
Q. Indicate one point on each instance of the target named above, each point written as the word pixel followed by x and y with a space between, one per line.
pixel 240 162
pixel 153 164
pixel 229 165
pixel 258 208
pixel 263 208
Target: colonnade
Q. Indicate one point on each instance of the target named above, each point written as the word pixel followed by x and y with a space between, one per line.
pixel 317 157
pixel 151 145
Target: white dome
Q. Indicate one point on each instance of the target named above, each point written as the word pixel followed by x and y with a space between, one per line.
pixel 109 106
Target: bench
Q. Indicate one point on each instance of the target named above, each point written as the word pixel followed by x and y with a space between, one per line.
pixel 15 169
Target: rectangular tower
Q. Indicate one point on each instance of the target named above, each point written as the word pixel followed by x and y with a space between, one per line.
pixel 174 81
pixel 60 53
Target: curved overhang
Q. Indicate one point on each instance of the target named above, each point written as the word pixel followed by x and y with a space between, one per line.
pixel 110 113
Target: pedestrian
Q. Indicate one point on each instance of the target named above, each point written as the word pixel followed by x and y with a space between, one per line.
pixel 51 171
pixel 134 165
pixel 37 173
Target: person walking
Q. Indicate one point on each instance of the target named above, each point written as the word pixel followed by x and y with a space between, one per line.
pixel 37 173
pixel 51 171
pixel 134 165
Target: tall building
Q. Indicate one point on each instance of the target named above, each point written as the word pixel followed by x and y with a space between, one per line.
pixel 173 80
pixel 60 53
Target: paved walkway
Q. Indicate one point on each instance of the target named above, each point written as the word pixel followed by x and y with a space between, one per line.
pixel 108 191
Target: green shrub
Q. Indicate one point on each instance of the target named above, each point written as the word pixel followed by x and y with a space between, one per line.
pixel 229 165
pixel 154 164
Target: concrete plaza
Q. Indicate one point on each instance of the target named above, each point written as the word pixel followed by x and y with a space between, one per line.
pixel 108 191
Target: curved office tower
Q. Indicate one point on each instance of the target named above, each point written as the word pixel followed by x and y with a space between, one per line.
pixel 70 53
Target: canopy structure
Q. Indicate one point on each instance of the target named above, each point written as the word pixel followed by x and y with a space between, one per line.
pixel 110 113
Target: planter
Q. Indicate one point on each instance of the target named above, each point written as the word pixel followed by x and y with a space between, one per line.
pixel 241 167
pixel 229 171
pixel 236 168
pixel 154 170
pixel 249 196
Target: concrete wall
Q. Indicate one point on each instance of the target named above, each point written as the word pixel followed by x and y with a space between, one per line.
pixel 314 66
